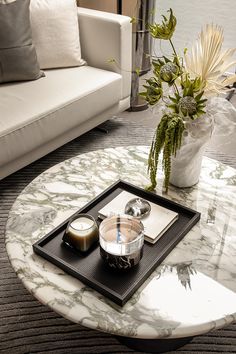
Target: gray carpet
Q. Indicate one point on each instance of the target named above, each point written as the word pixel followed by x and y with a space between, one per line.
pixel 28 327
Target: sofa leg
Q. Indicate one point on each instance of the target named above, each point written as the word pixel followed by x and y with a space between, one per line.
pixel 102 130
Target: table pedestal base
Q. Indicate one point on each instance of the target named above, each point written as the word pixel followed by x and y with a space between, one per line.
pixel 154 345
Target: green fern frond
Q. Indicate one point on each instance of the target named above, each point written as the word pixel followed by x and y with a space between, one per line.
pixel 168 137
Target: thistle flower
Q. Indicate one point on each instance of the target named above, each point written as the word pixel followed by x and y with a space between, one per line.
pixel 153 91
pixel 188 106
pixel 190 103
pixel 207 60
pixel 164 30
pixel 167 70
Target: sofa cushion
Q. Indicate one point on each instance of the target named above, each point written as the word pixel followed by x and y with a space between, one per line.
pixel 55 32
pixel 34 113
pixel 18 59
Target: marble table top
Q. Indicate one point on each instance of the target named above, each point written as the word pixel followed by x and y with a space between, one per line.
pixel 192 292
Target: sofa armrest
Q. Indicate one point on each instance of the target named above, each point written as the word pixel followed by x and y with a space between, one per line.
pixel 104 36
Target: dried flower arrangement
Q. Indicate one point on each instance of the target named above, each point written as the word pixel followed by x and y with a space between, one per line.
pixel 191 80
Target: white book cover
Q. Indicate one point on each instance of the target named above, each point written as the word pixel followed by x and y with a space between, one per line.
pixel 155 224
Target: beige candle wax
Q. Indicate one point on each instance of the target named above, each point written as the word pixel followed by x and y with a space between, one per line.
pixel 81 232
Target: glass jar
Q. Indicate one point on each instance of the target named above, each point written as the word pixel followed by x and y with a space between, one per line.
pixel 81 232
pixel 121 241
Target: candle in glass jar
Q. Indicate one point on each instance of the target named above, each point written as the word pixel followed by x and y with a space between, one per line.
pixel 121 241
pixel 81 232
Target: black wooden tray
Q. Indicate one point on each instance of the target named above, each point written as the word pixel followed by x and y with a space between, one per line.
pixel 90 269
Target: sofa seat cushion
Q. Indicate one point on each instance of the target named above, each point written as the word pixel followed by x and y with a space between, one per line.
pixel 33 113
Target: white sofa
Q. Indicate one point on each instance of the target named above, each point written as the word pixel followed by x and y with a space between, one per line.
pixel 37 117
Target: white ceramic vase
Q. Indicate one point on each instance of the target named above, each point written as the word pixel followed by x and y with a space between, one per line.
pixel 186 166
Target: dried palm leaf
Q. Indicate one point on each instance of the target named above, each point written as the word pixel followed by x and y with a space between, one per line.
pixel 207 60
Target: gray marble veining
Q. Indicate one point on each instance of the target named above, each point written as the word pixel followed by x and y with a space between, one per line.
pixel 193 291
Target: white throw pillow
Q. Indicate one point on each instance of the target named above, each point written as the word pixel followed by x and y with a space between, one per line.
pixel 55 33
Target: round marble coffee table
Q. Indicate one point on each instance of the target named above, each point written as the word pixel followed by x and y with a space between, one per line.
pixel 192 292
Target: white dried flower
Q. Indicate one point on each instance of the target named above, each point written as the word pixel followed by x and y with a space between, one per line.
pixel 207 60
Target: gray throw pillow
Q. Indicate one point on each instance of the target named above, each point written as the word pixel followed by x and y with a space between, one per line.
pixel 18 59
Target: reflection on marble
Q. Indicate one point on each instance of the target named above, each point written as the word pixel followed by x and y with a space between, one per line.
pixel 193 291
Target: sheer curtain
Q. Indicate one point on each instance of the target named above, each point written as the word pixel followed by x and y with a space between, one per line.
pixel 192 15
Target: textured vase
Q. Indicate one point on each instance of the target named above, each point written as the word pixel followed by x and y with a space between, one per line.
pixel 186 165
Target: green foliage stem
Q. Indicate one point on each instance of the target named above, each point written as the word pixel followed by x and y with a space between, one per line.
pixel 168 136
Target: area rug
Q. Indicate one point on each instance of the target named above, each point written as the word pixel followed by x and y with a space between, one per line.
pixel 28 327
